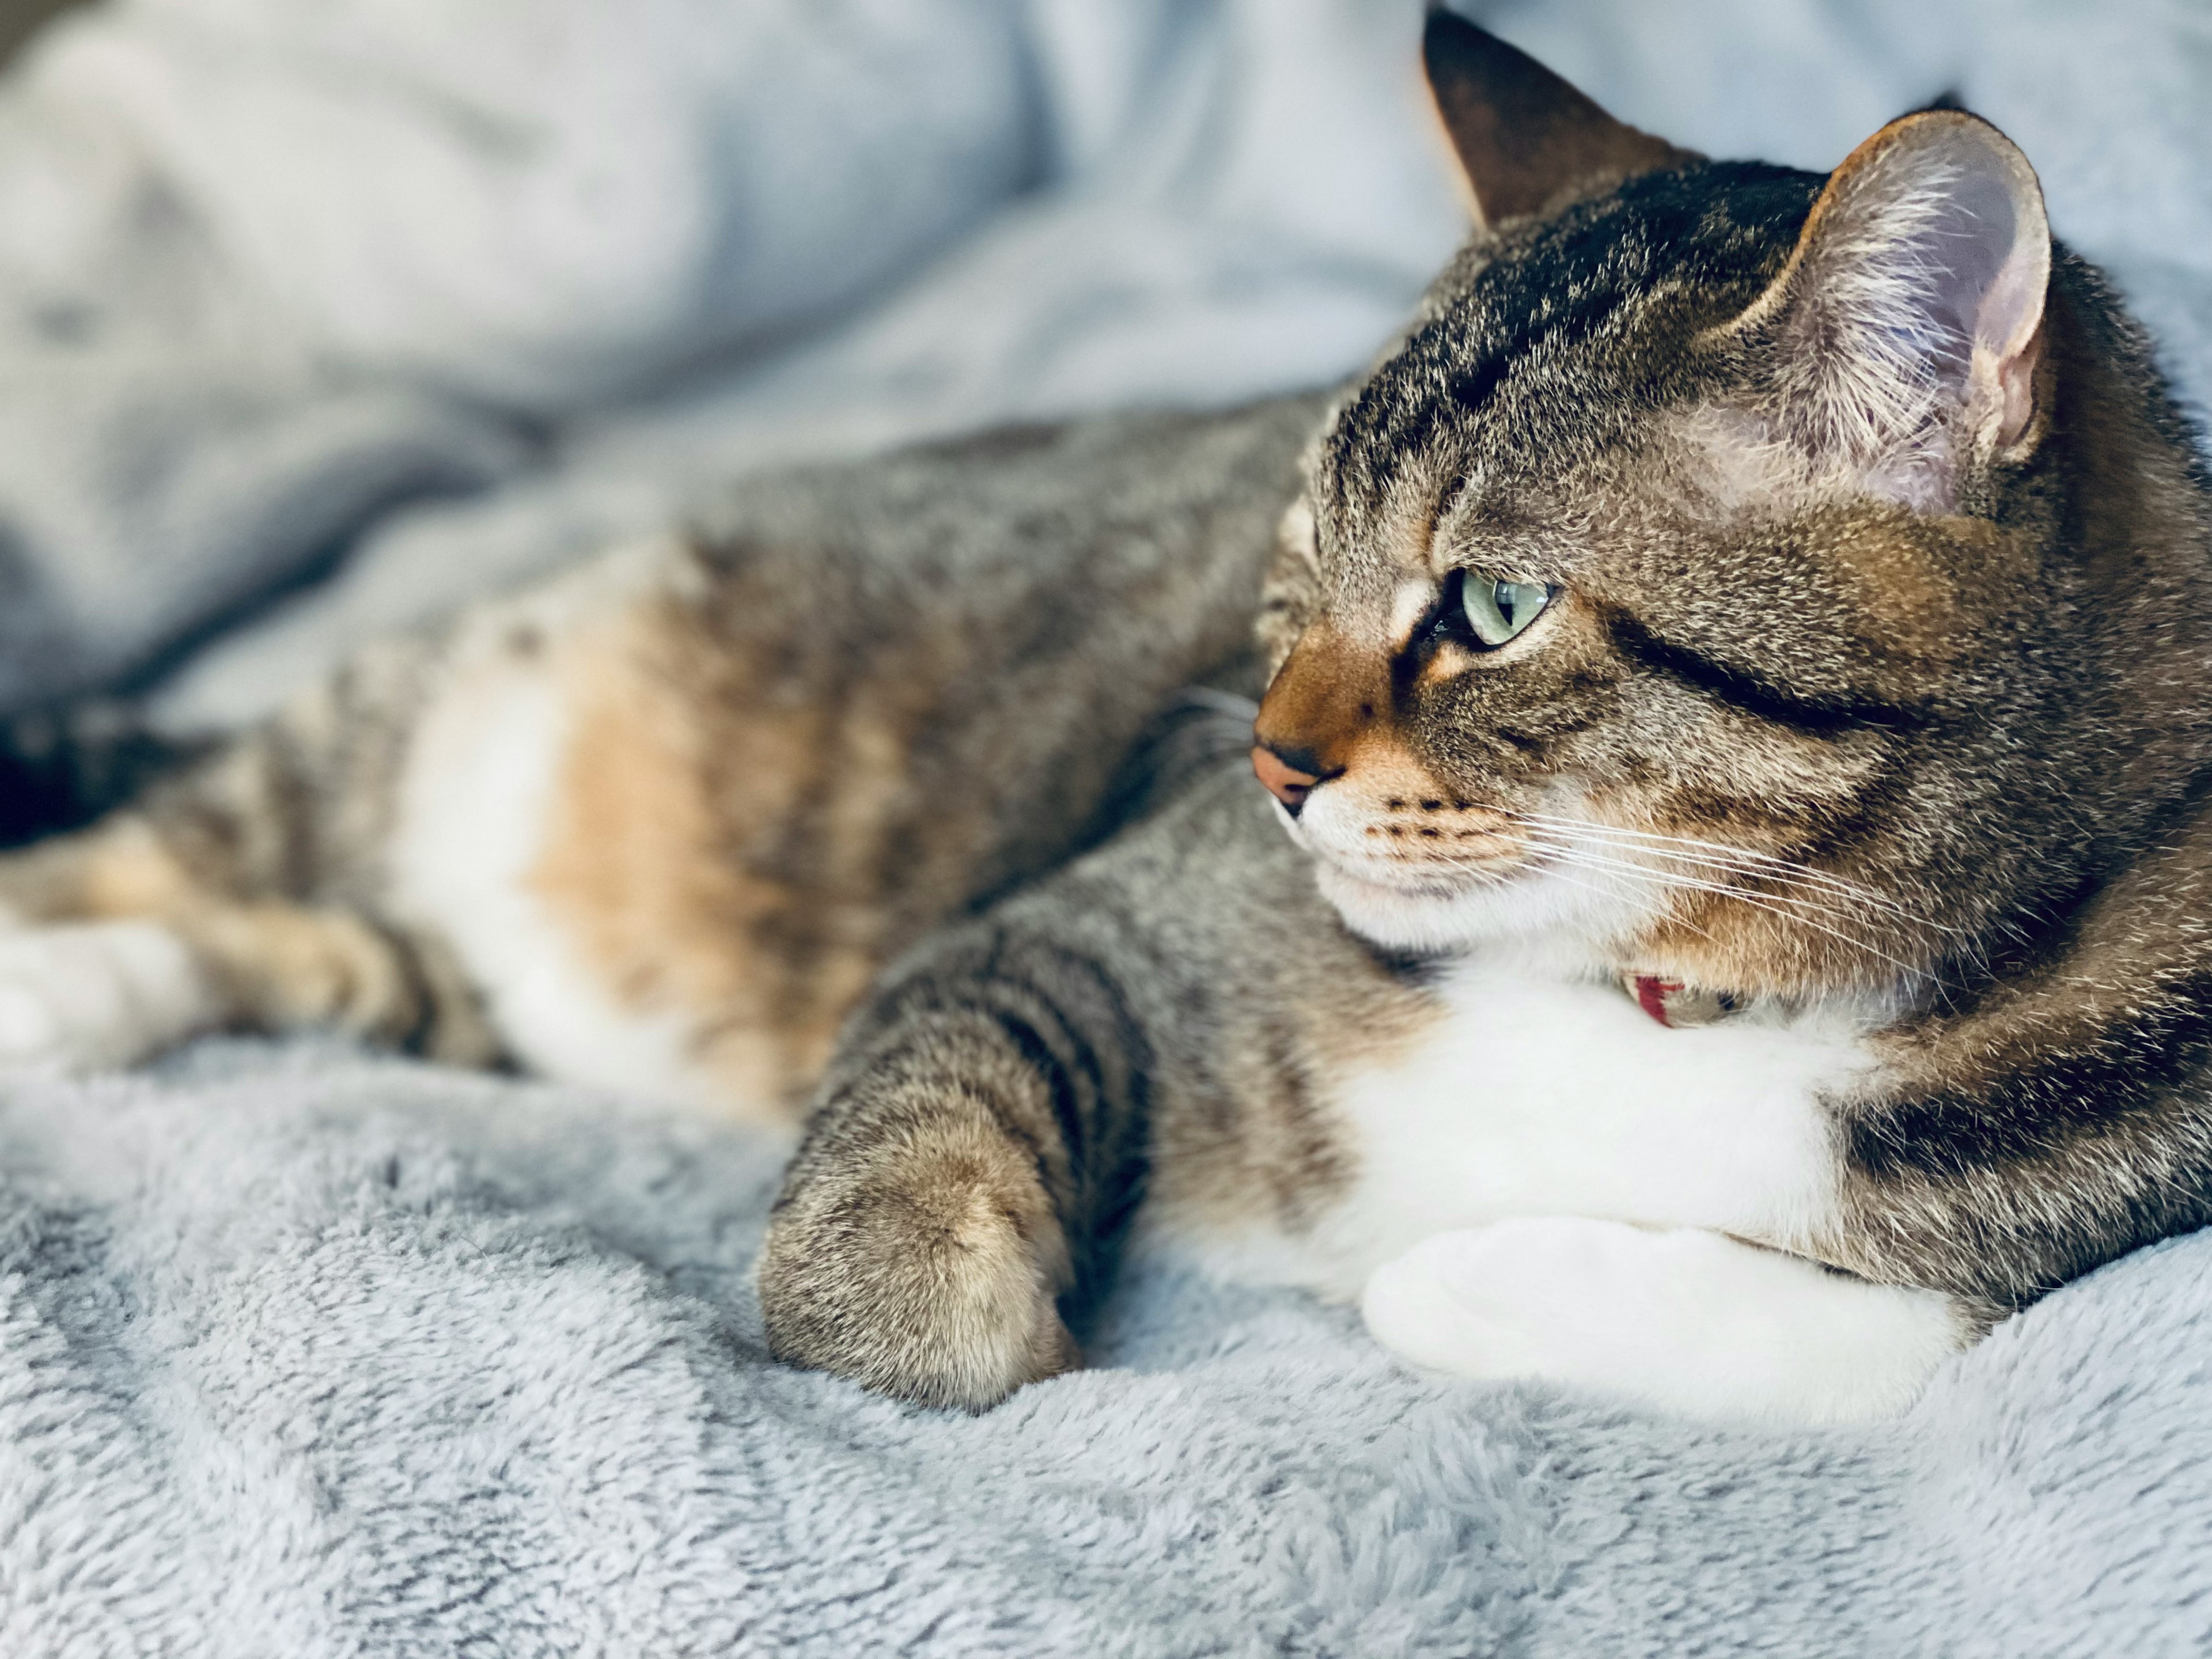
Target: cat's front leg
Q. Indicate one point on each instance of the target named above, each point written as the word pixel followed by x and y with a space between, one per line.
pixel 930 1222
pixel 1680 1318
pixel 1123 1035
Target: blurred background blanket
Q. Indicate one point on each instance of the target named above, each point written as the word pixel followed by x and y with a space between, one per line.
pixel 317 318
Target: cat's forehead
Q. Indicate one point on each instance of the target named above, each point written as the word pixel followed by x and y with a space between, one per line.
pixel 1539 357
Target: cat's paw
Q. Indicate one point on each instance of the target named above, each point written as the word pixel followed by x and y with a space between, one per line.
pixel 930 1275
pixel 98 996
pixel 1678 1318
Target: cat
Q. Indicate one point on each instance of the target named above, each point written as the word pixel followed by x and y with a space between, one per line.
pixel 1721 925
pixel 1734 919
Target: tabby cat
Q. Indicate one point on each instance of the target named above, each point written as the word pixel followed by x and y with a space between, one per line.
pixel 1728 918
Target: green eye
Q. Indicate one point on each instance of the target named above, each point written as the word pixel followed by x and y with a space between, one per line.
pixel 1498 610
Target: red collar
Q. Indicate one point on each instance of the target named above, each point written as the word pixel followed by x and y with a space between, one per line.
pixel 1675 1005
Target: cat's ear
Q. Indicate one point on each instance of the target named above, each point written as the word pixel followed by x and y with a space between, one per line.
pixel 1529 144
pixel 1907 324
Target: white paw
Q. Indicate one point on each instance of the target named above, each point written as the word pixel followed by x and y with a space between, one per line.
pixel 1678 1318
pixel 95 997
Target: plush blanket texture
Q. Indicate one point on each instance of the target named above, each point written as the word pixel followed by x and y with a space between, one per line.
pixel 303 1354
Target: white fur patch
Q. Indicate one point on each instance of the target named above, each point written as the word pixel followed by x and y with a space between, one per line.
pixel 1680 1318
pixel 1542 1186
pixel 1539 1096
pixel 100 996
pixel 475 801
pixel 1409 603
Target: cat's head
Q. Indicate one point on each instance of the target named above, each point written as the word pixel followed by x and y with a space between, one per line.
pixel 1676 587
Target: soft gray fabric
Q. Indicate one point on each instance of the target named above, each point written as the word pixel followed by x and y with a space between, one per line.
pixel 302 1354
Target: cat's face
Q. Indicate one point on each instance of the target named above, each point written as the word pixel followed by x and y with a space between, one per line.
pixel 1636 594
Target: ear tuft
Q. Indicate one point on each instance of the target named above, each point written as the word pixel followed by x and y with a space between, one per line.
pixel 1907 320
pixel 1529 144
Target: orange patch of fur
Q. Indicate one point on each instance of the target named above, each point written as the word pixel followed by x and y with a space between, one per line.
pixel 669 789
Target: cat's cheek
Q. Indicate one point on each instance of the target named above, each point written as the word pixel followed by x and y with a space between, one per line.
pixel 1444 904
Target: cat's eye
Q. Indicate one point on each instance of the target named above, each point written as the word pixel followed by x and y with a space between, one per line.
pixel 1496 610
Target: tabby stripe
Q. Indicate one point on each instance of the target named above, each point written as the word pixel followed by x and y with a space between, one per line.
pixel 2133 1068
pixel 1058 1006
pixel 2120 1115
pixel 1808 716
pixel 1059 1084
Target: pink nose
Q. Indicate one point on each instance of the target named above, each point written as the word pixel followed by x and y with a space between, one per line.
pixel 1285 781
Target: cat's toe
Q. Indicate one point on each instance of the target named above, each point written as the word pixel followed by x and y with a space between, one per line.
pixel 1516 1298
pixel 28 1028
pixel 95 997
pixel 932 1280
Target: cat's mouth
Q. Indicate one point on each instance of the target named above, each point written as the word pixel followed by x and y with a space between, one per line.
pixel 1430 847
pixel 1481 874
pixel 1437 878
pixel 1359 888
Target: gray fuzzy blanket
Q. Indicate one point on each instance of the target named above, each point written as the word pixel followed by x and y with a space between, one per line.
pixel 303 1354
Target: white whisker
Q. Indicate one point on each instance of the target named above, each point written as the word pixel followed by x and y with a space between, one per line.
pixel 1719 855
pixel 1815 890
pixel 1621 866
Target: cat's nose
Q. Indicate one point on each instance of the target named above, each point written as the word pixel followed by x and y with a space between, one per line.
pixel 1285 782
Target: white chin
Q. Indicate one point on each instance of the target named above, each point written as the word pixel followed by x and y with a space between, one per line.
pixel 1530 906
